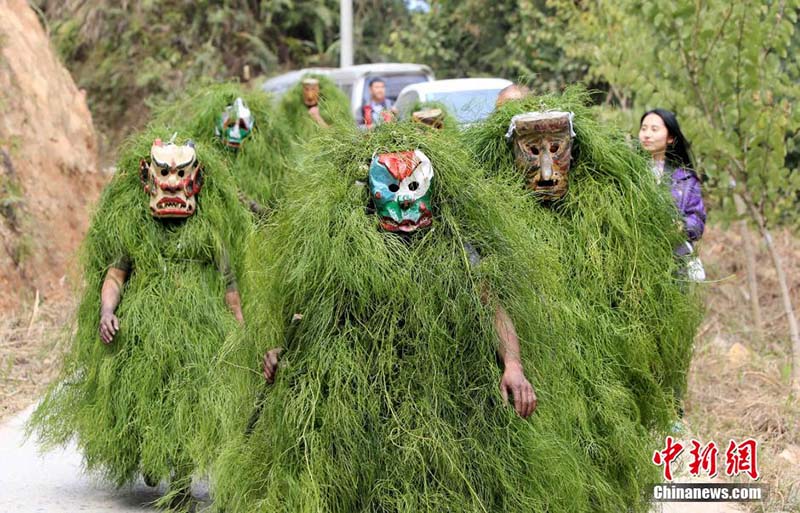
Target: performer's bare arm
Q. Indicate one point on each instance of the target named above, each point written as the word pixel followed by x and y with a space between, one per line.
pixel 254 206
pixel 234 302
pixel 513 381
pixel 110 296
pixel 316 116
pixel 271 363
pixel 271 357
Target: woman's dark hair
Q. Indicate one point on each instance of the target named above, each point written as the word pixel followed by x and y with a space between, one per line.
pixel 679 152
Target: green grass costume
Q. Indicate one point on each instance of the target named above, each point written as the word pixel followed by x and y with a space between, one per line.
pixel 334 107
pixel 134 406
pixel 259 165
pixel 387 397
pixel 614 232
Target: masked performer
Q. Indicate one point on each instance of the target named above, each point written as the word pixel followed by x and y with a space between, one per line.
pixel 245 126
pixel 592 199
pixel 313 103
pixel 399 277
pixel 161 260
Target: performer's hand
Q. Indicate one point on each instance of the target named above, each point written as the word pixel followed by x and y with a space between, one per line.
pixel 515 383
pixel 271 364
pixel 109 326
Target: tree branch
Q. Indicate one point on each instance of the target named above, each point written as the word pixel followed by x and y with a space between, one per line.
pixel 717 36
pixel 783 284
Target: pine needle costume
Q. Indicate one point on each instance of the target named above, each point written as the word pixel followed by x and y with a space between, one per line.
pixel 593 199
pixel 313 103
pixel 384 270
pixel 245 125
pixel 164 242
pixel 433 114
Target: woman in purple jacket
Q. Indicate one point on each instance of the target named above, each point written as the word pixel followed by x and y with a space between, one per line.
pixel 661 136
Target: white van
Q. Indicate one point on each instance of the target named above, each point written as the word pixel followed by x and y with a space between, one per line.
pixel 354 80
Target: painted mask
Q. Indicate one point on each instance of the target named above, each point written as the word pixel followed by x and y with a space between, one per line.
pixel 399 184
pixel 235 124
pixel 310 92
pixel 431 117
pixel 172 179
pixel 543 150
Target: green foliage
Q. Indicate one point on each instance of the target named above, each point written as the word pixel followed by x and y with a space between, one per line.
pixel 615 232
pixel 13 144
pixel 259 166
pixel 386 398
pixel 12 208
pixel 510 38
pixel 729 70
pixel 134 406
pixel 372 21
pixel 12 198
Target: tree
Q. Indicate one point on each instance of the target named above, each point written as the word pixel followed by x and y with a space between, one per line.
pixel 507 38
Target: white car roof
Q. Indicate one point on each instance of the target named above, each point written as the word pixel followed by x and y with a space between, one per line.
pixel 456 84
pixel 286 80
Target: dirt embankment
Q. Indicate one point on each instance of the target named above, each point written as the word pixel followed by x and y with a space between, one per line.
pixel 49 174
pixel 739 382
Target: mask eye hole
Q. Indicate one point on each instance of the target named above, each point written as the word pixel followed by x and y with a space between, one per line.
pixel 413 186
pixel 242 124
pixel 164 171
pixel 534 150
pixel 554 147
pixel 394 187
pixel 181 173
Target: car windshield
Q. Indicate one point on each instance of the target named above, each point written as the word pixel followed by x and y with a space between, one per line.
pixel 394 83
pixel 468 106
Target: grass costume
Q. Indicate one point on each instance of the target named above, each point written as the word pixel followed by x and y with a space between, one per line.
pixel 164 243
pixel 313 103
pixel 246 128
pixel 385 269
pixel 614 230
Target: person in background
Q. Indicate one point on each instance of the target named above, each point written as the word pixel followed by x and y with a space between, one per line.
pixel 380 109
pixel 512 92
pixel 311 100
pixel 661 136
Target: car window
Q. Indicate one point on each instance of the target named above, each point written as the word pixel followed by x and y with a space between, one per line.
pixel 347 89
pixel 468 106
pixel 406 102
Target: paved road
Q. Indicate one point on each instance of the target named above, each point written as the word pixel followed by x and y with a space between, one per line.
pixel 54 482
